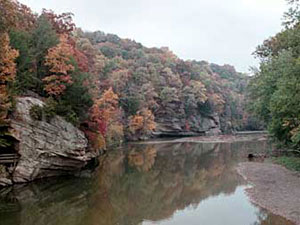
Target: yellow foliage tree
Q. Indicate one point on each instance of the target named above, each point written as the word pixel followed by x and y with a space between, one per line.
pixel 142 123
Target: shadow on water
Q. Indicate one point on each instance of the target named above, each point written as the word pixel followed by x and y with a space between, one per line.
pixel 169 183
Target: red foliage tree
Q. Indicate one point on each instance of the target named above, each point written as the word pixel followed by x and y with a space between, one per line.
pixel 100 116
pixel 62 23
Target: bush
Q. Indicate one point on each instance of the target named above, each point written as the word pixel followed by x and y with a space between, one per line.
pixel 36 112
pixel 49 109
pixel 46 112
pixel 71 117
pixel 290 162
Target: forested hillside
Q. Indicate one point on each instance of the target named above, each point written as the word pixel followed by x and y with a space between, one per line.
pixel 111 88
pixel 275 88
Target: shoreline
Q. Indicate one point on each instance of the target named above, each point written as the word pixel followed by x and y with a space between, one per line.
pixel 222 138
pixel 274 188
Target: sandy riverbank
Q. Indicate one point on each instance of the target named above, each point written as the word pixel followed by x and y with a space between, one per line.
pixel 274 188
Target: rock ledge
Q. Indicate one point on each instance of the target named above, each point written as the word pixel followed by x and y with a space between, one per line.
pixel 46 149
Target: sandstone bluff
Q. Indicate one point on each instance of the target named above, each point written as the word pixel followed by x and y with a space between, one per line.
pixel 45 149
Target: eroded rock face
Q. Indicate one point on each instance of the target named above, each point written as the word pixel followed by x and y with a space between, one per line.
pixel 172 121
pixel 46 148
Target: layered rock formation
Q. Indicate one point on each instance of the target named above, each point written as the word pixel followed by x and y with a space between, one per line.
pixel 172 120
pixel 46 148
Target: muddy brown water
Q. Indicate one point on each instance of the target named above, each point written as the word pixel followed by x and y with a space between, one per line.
pixel 145 184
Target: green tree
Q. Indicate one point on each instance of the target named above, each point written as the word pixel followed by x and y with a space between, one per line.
pixel 275 89
pixel 43 38
pixel 26 78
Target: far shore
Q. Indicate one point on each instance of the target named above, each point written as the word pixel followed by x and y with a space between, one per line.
pixel 254 136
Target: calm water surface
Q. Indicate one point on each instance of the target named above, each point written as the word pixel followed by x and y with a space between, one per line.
pixel 165 184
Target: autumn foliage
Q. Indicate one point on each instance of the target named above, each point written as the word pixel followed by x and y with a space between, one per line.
pixel 58 60
pixel 103 115
pixel 62 23
pixel 142 123
pixel 111 88
pixel 7 74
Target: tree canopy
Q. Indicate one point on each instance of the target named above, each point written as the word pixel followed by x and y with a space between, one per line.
pixel 274 90
pixel 108 86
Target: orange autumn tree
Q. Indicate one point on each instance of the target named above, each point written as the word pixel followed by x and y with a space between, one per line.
pixel 109 105
pixel 58 60
pixel 103 115
pixel 7 74
pixel 142 123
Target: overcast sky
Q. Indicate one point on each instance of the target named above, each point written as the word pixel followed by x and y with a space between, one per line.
pixel 219 31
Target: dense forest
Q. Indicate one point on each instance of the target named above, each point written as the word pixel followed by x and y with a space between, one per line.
pixel 274 90
pixel 111 88
pixel 67 95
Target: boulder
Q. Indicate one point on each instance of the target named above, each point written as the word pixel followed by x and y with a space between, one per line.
pixel 46 149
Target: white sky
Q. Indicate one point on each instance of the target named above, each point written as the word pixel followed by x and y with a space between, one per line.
pixel 214 30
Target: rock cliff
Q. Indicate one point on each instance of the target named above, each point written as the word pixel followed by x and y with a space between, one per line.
pixel 46 149
pixel 172 120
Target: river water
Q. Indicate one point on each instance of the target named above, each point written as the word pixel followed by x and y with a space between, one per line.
pixel 145 184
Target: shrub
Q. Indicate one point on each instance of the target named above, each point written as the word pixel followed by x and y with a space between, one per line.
pixel 49 109
pixel 290 162
pixel 36 112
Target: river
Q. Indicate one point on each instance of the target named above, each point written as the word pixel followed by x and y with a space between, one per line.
pixel 165 183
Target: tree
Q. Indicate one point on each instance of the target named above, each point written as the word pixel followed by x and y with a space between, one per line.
pixel 7 74
pixel 77 98
pixel 62 23
pixel 142 123
pixel 275 89
pixel 15 15
pixel 7 77
pixel 217 102
pixel 58 60
pixel 168 95
pixel 44 37
pixel 104 114
pixel 8 15
pixel 119 82
pixel 119 79
pixel 26 77
pixel 194 94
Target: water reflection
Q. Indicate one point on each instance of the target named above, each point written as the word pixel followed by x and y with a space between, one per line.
pixel 142 160
pixel 172 183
